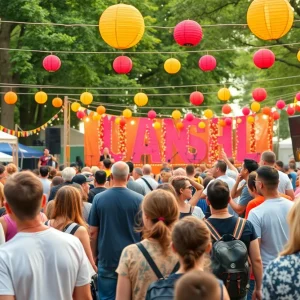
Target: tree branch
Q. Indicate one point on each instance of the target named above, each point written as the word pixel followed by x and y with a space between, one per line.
pixel 288 63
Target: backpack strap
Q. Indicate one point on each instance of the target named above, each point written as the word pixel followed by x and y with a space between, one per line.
pixel 150 261
pixel 239 228
pixel 214 233
pixel 176 268
pixel 71 228
pixel 148 184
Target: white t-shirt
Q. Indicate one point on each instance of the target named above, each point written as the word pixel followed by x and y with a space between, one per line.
pixel 230 182
pixel 46 186
pixel 153 183
pixel 44 265
pixel 284 183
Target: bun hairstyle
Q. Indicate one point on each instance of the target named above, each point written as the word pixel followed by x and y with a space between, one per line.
pixel 190 239
pixel 161 207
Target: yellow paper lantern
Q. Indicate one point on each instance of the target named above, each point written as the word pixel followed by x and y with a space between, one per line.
pixel 255 106
pixel 127 113
pixel 270 20
pixel 298 55
pixel 41 97
pixel 10 98
pixel 176 114
pixel 224 94
pixel 118 120
pixel 250 119
pixel 156 125
pixel 208 113
pixel 75 106
pixel 86 98
pixel 201 125
pixel 141 99
pixel 101 110
pixel 96 117
pixel 57 102
pixel 121 26
pixel 172 65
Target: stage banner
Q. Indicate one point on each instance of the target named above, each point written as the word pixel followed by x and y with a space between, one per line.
pixel 138 141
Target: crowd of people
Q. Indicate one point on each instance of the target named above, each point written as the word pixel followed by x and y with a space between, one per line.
pixel 117 231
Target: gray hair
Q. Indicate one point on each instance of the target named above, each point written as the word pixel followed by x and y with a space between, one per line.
pixel 68 173
pixel 120 170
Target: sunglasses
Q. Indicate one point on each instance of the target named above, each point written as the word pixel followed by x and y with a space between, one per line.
pixel 189 187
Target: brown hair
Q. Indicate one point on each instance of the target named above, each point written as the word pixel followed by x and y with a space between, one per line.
pixel 167 187
pixel 11 169
pixel 24 192
pixel 251 181
pixel 178 183
pixel 52 173
pixel 69 206
pixel 198 284
pixel 190 239
pixel 161 207
pixel 1 195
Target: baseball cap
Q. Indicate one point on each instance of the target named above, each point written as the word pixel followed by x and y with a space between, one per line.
pixel 80 179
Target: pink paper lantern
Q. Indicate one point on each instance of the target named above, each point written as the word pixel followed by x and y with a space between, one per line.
pixel 196 98
pixel 259 94
pixel 264 58
pixel 151 114
pixel 228 121
pixel 298 96
pixel 51 63
pixel 80 114
pixel 280 104
pixel 122 65
pixel 290 111
pixel 188 33
pixel 189 117
pixel 276 115
pixel 246 111
pixel 207 63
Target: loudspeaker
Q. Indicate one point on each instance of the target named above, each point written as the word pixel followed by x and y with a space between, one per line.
pixel 294 123
pixel 53 140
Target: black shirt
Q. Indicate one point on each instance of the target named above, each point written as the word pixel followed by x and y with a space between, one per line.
pixel 93 192
pixel 102 157
pixel 54 189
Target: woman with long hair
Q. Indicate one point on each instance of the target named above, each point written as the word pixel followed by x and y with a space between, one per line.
pixel 191 242
pixel 281 277
pixel 67 213
pixel 160 212
pixel 183 187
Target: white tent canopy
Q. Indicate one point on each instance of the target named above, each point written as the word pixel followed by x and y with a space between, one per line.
pixel 5 157
pixel 7 138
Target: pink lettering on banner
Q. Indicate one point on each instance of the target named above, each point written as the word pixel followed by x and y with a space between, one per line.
pixel 226 138
pixel 152 148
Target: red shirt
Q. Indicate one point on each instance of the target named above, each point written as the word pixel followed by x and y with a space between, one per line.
pixel 45 160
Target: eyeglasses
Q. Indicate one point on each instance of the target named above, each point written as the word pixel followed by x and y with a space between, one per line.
pixel 189 187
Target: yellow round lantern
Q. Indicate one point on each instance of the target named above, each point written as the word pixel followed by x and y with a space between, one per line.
pixel 270 20
pixel 250 119
pixel 224 94
pixel 86 98
pixel 156 125
pixel 255 106
pixel 96 117
pixel 201 125
pixel 172 65
pixel 57 102
pixel 222 123
pixel 41 97
pixel 10 98
pixel 298 55
pixel 141 99
pixel 118 120
pixel 176 114
pixel 208 113
pixel 127 113
pixel 75 106
pixel 101 110
pixel 121 26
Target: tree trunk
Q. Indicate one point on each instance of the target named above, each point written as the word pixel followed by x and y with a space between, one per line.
pixel 7 111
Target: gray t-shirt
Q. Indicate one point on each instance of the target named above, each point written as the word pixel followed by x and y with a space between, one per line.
pixel 86 210
pixel 285 183
pixel 46 186
pixel 270 222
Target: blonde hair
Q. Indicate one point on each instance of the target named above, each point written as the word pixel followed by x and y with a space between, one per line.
pixel 293 244
pixel 11 169
pixel 1 195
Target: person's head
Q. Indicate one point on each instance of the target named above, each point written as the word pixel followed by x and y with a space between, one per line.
pixel 219 169
pixel 11 169
pixel 165 175
pixel 286 169
pixel 120 172
pixel 160 212
pixel 179 172
pixel 190 240
pixel 251 184
pixel 267 180
pixel 182 187
pixel 94 169
pixel 52 173
pixel 206 181
pixel 131 166
pixel 167 187
pixel 46 152
pixel 198 285
pixel 24 196
pixel 68 173
pixel 293 244
pixel 218 194
pixel 249 166
pixel 3 174
pixel 190 170
pixel 105 151
pixel 57 180
pixel 268 158
pixel 68 205
pixel 107 163
pixel 86 169
pixel 100 177
pixel 292 165
pixel 36 172
pixel 44 171
pixel 61 167
pixel 147 169
pixel 137 173
pixel 231 160
pixel 279 165
pixel 83 181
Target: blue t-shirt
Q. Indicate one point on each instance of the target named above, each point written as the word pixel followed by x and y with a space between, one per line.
pixel 294 179
pixel 116 213
pixel 202 204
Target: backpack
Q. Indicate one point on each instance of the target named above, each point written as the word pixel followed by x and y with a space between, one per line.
pixel 161 289
pixel 229 259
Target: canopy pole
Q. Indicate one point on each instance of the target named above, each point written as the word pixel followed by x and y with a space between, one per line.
pixel 16 148
pixel 66 145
